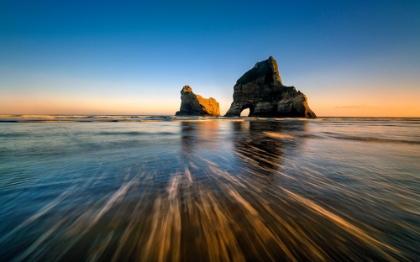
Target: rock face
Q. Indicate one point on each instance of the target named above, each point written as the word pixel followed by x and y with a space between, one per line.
pixel 262 91
pixel 196 105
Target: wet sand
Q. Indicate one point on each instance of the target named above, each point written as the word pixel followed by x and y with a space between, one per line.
pixel 299 190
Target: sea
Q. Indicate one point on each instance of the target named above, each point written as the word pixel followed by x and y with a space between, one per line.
pixel 165 188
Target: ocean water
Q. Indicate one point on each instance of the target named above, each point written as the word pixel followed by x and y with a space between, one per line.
pixel 162 188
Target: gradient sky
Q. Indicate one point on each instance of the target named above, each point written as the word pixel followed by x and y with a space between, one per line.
pixel 351 58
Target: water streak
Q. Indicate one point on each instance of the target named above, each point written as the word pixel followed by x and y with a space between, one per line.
pixel 206 189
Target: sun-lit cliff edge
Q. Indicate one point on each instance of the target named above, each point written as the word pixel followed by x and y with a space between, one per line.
pixel 195 105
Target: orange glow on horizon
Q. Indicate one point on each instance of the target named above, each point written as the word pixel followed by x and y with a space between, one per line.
pixel 119 107
pixel 85 107
pixel 342 102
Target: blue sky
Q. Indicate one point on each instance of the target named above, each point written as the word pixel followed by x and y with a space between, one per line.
pixel 104 57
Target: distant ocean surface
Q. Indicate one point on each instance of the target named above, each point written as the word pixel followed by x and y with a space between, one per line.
pixel 165 188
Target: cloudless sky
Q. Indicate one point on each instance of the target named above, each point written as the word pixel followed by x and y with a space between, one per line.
pixel 351 58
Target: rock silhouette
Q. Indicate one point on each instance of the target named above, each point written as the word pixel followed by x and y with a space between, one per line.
pixel 262 91
pixel 196 105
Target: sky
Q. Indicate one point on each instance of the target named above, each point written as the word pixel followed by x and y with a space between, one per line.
pixel 350 58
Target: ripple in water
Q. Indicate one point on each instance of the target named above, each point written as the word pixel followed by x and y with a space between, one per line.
pixel 210 190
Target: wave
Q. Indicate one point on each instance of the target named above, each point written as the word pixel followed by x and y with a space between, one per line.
pixel 374 139
pixel 134 133
pixel 408 119
pixel 340 136
pixel 159 118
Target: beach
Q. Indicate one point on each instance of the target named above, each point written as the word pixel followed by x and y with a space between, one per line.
pixel 164 188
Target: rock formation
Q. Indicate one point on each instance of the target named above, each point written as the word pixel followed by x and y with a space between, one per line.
pixel 196 105
pixel 261 90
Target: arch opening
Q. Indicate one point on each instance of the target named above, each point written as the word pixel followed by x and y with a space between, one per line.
pixel 247 110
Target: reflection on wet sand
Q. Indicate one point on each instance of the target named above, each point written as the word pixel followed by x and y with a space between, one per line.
pixel 205 133
pixel 257 149
pixel 225 197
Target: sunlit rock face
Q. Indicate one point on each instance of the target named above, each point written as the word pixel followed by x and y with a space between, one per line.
pixel 196 105
pixel 262 91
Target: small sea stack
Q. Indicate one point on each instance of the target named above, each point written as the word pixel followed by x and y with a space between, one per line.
pixel 195 105
pixel 262 91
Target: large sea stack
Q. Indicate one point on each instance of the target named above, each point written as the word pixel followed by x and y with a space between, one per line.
pixel 196 105
pixel 261 90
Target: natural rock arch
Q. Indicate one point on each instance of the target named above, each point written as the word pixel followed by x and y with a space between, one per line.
pixel 262 90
